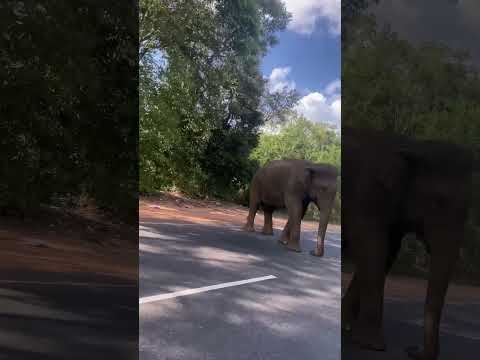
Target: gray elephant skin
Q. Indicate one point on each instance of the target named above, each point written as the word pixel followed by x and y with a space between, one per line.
pixel 392 186
pixel 293 184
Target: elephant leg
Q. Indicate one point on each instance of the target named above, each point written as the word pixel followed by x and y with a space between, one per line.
pixel 295 214
pixel 285 234
pixel 351 296
pixel 443 255
pixel 286 230
pixel 351 303
pixel 252 211
pixel 268 224
pixel 304 210
pixel 325 208
pixel 351 299
pixel 370 268
pixel 394 245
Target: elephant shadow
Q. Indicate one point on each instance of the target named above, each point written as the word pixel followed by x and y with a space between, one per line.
pixel 308 240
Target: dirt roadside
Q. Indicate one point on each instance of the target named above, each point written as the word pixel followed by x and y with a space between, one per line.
pixel 61 243
pixel 407 288
pixel 177 208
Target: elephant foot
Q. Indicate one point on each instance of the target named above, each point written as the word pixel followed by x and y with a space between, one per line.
pixel 414 352
pixel 346 328
pixel 267 232
pixel 346 320
pixel 370 342
pixel 248 228
pixel 295 248
pixel 316 252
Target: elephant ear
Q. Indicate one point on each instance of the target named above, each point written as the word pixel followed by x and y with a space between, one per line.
pixel 438 156
pixel 414 155
pixel 418 155
pixel 310 173
pixel 392 171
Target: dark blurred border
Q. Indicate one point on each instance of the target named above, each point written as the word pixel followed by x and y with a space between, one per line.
pixel 411 75
pixel 69 179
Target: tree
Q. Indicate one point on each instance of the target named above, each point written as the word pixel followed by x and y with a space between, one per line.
pixel 69 76
pixel 299 138
pixel 278 106
pixel 200 87
pixel 351 11
pixel 425 91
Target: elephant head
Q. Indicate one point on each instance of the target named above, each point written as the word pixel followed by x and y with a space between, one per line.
pixel 437 193
pixel 321 183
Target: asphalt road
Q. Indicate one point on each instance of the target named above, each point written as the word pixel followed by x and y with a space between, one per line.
pixel 403 325
pixel 45 316
pixel 294 316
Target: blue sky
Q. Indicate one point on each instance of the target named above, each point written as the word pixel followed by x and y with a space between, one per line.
pixel 314 59
pixel 308 59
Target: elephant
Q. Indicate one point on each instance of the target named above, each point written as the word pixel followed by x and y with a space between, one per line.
pixel 392 186
pixel 293 184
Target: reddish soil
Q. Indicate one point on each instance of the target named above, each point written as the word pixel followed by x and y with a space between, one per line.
pixel 408 288
pixel 177 207
pixel 75 242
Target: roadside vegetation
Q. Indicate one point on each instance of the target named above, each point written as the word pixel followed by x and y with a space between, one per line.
pixel 207 117
pixel 64 138
pixel 299 138
pixel 427 91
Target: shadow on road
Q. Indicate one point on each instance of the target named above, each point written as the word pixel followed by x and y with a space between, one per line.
pixel 296 315
pixel 42 321
pixel 403 323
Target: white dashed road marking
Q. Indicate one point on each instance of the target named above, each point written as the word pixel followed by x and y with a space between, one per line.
pixel 186 292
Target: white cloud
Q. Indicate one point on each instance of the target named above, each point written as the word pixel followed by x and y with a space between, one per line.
pixel 317 107
pixel 337 108
pixel 306 13
pixel 334 87
pixel 324 107
pixel 278 80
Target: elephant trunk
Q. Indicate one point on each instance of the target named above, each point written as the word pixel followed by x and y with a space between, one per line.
pixel 325 209
pixel 443 260
pixel 321 239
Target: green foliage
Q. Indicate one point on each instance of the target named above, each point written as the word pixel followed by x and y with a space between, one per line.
pixel 302 139
pixel 69 76
pixel 299 139
pixel 200 91
pixel 277 106
pixel 427 92
pixel 352 8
